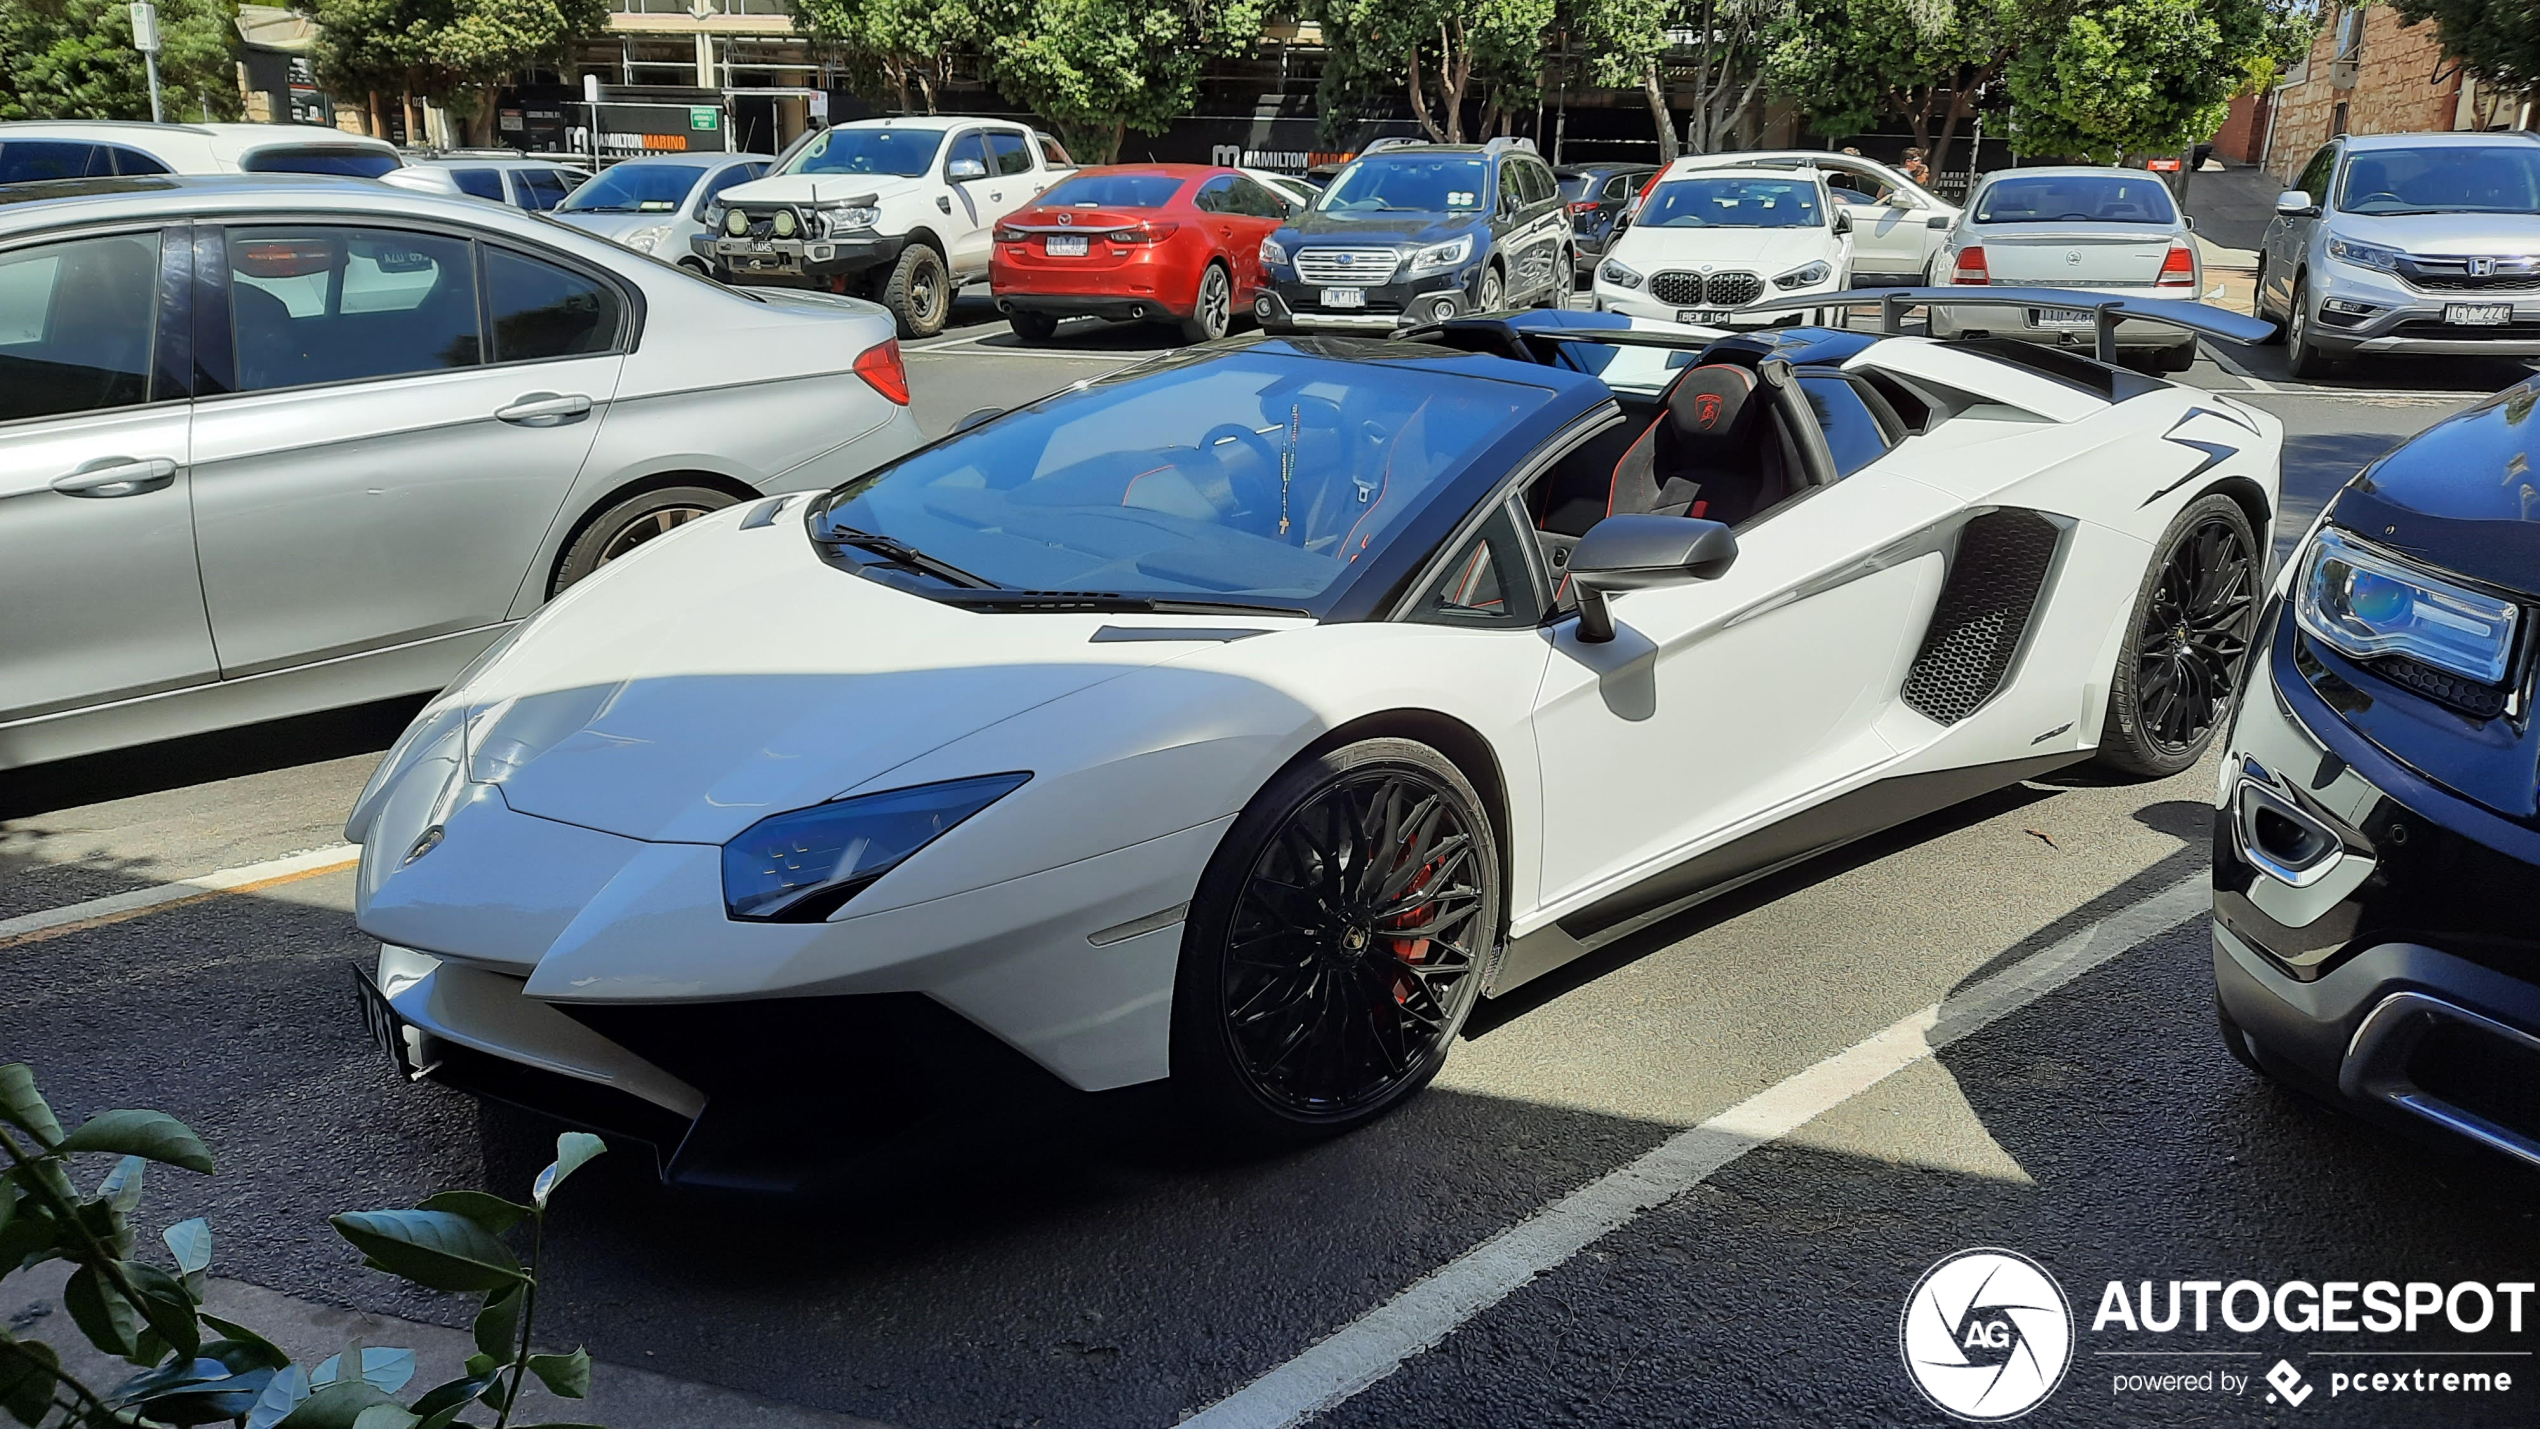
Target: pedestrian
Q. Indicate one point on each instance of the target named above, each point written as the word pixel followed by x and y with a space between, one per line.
pixel 1915 168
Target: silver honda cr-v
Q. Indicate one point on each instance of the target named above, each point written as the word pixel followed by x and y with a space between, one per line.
pixel 2413 243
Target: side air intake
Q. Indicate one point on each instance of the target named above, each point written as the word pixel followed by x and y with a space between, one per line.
pixel 1984 609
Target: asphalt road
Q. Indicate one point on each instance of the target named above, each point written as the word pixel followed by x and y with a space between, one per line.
pixel 1086 1265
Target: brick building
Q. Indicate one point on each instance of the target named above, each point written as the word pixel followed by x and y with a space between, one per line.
pixel 2367 73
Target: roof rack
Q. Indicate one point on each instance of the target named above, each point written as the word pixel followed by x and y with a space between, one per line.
pixel 1893 303
pixel 1392 141
pixel 1507 142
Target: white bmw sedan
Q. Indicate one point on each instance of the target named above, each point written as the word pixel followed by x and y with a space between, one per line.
pixel 278 444
pixel 1705 245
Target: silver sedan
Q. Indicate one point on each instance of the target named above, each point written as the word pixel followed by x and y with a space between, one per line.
pixel 2111 230
pixel 657 203
pixel 273 445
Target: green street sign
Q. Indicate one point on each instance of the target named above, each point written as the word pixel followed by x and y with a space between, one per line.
pixel 704 116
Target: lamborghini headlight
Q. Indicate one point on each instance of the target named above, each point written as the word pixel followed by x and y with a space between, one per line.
pixel 803 866
pixel 1441 255
pixel 1805 276
pixel 2364 255
pixel 2361 603
pixel 1618 275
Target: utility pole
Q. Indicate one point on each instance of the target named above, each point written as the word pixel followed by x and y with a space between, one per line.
pixel 145 38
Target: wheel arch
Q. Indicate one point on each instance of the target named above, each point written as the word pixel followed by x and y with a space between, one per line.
pixel 731 486
pixel 1463 746
pixel 2252 500
pixel 922 235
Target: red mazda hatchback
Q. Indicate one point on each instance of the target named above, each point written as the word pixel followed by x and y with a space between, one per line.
pixel 1178 243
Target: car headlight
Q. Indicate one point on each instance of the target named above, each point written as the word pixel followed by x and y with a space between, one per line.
pixel 1805 276
pixel 1618 275
pixel 784 223
pixel 839 220
pixel 1441 255
pixel 647 240
pixel 803 866
pixel 1272 255
pixel 736 223
pixel 2361 603
pixel 2367 255
pixel 712 218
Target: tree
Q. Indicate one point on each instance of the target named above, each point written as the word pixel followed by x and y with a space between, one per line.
pixel 2497 41
pixel 1847 62
pixel 452 52
pixel 903 41
pixel 73 59
pixel 2101 79
pixel 1096 69
pixel 1435 51
pixel 1627 44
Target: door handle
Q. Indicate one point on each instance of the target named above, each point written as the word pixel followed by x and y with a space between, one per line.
pixel 544 409
pixel 996 195
pixel 117 476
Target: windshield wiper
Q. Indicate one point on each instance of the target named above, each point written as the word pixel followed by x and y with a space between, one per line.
pixel 1104 601
pixel 896 552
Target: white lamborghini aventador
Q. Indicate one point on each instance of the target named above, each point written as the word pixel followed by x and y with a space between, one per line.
pixel 1243 718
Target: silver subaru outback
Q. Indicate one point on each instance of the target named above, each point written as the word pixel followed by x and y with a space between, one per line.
pixel 2409 243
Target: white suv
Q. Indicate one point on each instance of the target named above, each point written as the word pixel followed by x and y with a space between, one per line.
pixel 897 210
pixel 98 148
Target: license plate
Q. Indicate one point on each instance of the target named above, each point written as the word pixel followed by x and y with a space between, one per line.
pixel 1344 297
pixel 1702 316
pixel 762 245
pixel 2478 314
pixel 1064 245
pixel 387 1030
pixel 2064 317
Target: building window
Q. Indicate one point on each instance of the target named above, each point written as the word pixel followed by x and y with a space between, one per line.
pixel 2350 34
pixel 2337 120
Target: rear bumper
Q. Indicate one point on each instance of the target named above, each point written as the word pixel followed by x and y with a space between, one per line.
pixel 2021 324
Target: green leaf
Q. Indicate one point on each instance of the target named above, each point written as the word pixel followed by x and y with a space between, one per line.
pixel 492 1212
pixel 222 1400
pixel 567 1376
pixel 168 1306
pixel 498 1324
pixel 437 1249
pixel 23 1106
pixel 110 1322
pixel 339 1406
pixel 191 1243
pixel 154 1135
pixel 455 1395
pixel 122 1187
pixel 483 1364
pixel 242 1347
pixel 30 1236
pixel 572 1149
pixel 27 1371
pixel 288 1388
pixel 386 1416
pixel 388 1369
pixel 108 1225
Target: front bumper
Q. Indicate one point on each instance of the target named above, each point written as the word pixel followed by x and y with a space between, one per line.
pixel 2373 932
pixel 1636 302
pixel 2406 320
pixel 1287 303
pixel 809 261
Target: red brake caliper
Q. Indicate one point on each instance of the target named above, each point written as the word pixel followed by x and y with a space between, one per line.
pixel 1411 950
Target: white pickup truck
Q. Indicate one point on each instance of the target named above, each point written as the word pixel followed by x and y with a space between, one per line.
pixel 896 210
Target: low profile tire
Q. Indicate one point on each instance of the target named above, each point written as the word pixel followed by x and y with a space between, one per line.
pixel 2187 644
pixel 1032 327
pixel 632 522
pixel 2301 359
pixel 1213 314
pixel 1337 942
pixel 918 291
pixel 1494 291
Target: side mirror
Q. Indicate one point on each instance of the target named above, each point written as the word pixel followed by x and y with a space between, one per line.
pixel 1843 220
pixel 1937 221
pixel 1623 553
pixel 2294 203
pixel 960 169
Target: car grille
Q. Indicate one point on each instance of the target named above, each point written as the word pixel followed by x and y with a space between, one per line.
pixel 2508 275
pixel 1983 612
pixel 1714 290
pixel 2466 332
pixel 1347 267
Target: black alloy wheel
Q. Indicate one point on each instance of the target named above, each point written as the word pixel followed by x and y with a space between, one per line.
pixel 2184 660
pixel 1339 941
pixel 1214 312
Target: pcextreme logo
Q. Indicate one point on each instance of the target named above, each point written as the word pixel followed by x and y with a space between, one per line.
pixel 1986 1335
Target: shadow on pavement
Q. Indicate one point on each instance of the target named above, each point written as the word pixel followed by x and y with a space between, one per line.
pixel 204 758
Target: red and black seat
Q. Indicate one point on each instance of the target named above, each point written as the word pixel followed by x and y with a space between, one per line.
pixel 1713 451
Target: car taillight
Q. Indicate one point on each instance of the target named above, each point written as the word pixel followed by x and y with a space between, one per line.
pixel 1970 267
pixel 2178 270
pixel 1144 233
pixel 882 370
pixel 1584 206
pixel 1007 234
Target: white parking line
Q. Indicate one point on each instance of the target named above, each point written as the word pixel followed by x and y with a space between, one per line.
pixel 115 907
pixel 1377 1343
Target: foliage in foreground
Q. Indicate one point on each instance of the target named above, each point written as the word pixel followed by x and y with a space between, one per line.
pixel 197 1368
pixel 73 59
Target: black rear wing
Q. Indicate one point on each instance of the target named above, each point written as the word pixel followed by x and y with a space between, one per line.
pixel 1893 303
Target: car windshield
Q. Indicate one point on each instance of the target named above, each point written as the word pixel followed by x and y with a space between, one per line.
pixel 1410 183
pixel 2443 179
pixel 1252 478
pixel 1734 203
pixel 346 163
pixel 634 188
pixel 2076 198
pixel 901 153
pixel 1113 190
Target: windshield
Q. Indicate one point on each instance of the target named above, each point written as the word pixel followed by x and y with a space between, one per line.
pixel 348 163
pixel 901 153
pixel 1734 203
pixel 2076 198
pixel 1255 478
pixel 2502 179
pixel 1457 183
pixel 635 188
pixel 1113 190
